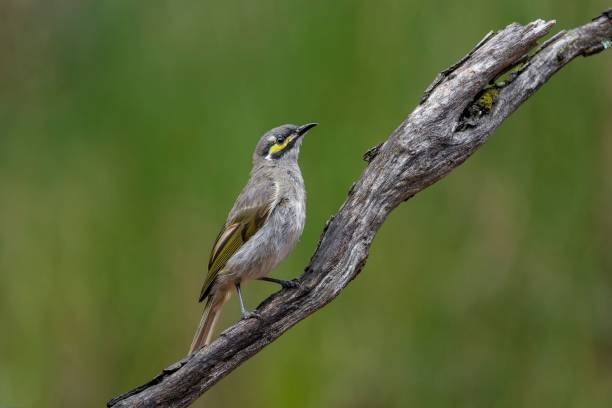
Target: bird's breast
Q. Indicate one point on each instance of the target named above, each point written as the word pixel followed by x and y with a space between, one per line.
pixel 280 233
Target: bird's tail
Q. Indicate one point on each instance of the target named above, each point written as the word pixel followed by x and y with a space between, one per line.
pixel 210 315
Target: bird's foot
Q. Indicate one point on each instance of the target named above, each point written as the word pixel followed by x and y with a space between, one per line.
pixel 286 284
pixel 291 284
pixel 254 314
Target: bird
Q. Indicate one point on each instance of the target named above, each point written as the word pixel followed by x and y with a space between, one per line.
pixel 261 229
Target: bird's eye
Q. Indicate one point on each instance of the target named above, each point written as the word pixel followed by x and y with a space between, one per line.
pixel 279 139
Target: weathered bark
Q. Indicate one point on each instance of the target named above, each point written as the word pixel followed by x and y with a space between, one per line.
pixel 457 114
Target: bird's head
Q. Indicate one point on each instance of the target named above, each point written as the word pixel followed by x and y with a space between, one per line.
pixel 281 144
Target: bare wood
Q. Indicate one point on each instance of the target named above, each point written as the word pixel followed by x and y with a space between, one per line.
pixel 457 114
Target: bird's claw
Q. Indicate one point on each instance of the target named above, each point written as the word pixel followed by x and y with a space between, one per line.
pixel 291 284
pixel 254 314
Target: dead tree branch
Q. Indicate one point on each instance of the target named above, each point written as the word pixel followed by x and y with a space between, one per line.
pixel 457 114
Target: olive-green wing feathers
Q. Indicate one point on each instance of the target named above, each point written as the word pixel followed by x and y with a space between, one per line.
pixel 238 230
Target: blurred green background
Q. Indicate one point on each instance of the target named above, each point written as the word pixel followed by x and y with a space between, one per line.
pixel 126 130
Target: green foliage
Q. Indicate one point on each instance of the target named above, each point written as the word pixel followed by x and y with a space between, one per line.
pixel 126 131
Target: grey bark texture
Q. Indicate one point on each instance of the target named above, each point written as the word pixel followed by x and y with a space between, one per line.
pixel 457 114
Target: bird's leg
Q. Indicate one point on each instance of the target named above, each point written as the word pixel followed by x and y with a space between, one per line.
pixel 286 284
pixel 245 313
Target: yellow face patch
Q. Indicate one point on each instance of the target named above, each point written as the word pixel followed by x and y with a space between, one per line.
pixel 275 148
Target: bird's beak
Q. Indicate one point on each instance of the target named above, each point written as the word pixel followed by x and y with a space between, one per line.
pixel 301 131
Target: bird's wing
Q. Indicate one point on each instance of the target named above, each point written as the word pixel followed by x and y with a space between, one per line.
pixel 242 224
